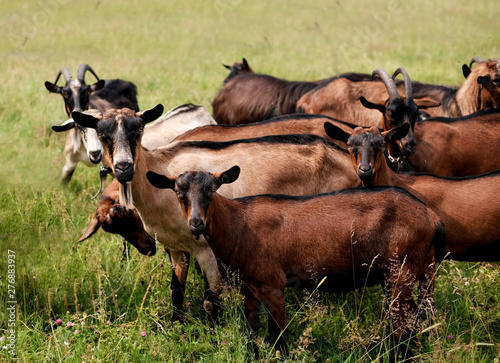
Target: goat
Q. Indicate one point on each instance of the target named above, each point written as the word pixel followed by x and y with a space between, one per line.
pixel 353 237
pixel 115 218
pixel 288 124
pixel 238 68
pixel 449 146
pixel 121 132
pixel 251 97
pixel 83 145
pixel 469 97
pixel 340 97
pixel 468 206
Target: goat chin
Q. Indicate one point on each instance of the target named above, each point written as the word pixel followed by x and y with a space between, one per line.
pixel 126 199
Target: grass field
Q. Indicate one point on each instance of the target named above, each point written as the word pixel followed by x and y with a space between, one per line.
pixel 173 51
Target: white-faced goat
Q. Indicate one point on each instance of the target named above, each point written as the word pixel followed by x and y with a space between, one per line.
pixel 318 165
pixel 354 238
pixel 83 145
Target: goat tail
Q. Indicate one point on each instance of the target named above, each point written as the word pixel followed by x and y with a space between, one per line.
pixel 439 241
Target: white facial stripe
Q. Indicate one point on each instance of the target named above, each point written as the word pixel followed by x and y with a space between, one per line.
pixel 122 152
pixel 91 141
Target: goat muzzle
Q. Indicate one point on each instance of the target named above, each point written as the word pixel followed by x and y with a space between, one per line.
pixel 124 171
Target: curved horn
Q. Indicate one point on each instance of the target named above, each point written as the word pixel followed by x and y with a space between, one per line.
pixel 475 60
pixel 84 67
pixel 388 81
pixel 408 85
pixel 65 72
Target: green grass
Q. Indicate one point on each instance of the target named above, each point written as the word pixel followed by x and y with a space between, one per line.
pixel 173 51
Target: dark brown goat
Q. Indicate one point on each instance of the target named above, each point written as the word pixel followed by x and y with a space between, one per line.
pixel 114 218
pixel 468 206
pixel 252 97
pixel 353 238
pixel 238 68
pixel 454 147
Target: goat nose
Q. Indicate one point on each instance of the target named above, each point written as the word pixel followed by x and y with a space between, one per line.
pixel 196 223
pixel 123 166
pixel 365 167
pixel 95 156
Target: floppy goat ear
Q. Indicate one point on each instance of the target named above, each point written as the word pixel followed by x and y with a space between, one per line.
pixel 226 66
pixel 371 105
pixel 160 181
pixel 151 114
pixel 336 133
pixel 396 133
pixel 85 120
pixel 228 176
pixel 68 125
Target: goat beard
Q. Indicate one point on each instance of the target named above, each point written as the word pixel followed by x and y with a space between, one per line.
pixel 126 199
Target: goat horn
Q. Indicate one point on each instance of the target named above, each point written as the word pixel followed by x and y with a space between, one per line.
pixel 84 67
pixel 65 72
pixel 475 60
pixel 388 81
pixel 408 85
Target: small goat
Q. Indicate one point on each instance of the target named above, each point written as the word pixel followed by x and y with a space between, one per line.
pixel 83 145
pixel 121 133
pixel 353 237
pixel 468 206
pixel 251 97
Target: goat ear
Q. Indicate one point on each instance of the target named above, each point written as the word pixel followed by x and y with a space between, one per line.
pixel 85 120
pixel 426 102
pixel 466 70
pixel 68 125
pixel 371 105
pixel 245 63
pixel 336 133
pixel 225 65
pixel 91 228
pixel 228 176
pixel 160 181
pixel 151 114
pixel 396 133
pixel 52 88
pixel 98 85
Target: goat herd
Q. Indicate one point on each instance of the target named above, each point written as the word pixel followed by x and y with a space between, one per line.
pixel 269 188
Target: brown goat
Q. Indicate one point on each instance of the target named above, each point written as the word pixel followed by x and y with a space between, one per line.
pixel 121 133
pixel 468 206
pixel 288 124
pixel 353 237
pixel 238 68
pixel 251 97
pixel 340 99
pixel 449 146
pixel 480 91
